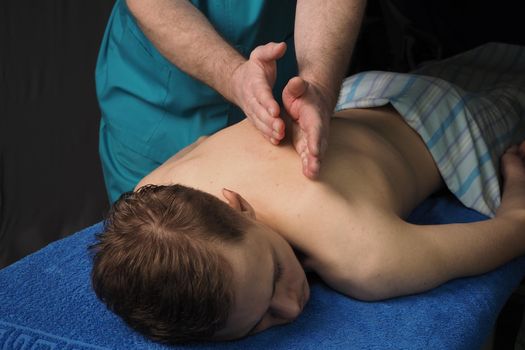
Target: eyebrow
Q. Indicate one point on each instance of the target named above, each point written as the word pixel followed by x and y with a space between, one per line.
pixel 275 276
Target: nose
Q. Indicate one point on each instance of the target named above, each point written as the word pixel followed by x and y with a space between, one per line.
pixel 286 308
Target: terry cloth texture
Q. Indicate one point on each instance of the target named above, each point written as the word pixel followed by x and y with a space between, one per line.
pixel 467 109
pixel 47 303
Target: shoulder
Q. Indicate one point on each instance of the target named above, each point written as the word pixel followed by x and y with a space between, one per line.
pixel 354 258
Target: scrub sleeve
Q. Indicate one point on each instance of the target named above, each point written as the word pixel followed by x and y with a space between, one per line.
pixel 151 109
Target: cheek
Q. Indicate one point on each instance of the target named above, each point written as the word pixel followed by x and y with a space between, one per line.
pixel 293 272
pixel 294 266
pixel 293 277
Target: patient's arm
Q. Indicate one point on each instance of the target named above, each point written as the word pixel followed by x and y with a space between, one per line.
pixel 411 258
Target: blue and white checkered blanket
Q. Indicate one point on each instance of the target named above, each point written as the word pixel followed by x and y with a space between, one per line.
pixel 468 109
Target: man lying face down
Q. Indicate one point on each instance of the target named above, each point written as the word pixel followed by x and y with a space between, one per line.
pixel 213 244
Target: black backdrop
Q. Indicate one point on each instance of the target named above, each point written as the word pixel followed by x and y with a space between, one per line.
pixel 51 180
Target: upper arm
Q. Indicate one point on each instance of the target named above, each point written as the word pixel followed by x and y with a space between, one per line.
pixel 395 261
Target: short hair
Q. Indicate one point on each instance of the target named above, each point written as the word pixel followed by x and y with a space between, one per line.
pixel 157 266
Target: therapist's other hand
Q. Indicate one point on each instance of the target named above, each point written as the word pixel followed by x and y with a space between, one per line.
pixel 251 86
pixel 310 109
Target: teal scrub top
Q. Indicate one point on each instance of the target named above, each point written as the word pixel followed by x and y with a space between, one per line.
pixel 155 109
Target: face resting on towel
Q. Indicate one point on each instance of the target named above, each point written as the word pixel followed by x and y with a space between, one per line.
pixel 204 247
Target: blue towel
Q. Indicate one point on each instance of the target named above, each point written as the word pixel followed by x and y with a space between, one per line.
pixel 47 303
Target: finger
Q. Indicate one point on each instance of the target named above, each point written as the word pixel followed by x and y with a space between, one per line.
pixel 295 88
pixel 313 140
pixel 270 126
pixel 310 163
pixel 267 110
pixel 317 135
pixel 299 143
pixel 277 125
pixel 269 134
pixel 312 167
pixel 266 130
pixel 269 52
pixel 317 145
pixel 265 99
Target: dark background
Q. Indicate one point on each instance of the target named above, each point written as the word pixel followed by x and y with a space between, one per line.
pixel 50 176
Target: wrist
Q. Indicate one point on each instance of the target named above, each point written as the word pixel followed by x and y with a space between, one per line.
pixel 327 92
pixel 234 81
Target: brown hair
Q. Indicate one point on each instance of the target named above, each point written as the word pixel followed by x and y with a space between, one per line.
pixel 157 265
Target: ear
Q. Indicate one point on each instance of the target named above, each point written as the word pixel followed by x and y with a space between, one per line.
pixel 238 203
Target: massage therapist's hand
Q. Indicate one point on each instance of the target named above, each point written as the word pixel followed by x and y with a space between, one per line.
pixel 311 108
pixel 251 87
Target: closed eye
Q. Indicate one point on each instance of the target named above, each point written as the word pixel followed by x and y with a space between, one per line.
pixel 278 274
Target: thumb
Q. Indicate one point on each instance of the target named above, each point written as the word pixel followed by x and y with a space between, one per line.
pixel 269 52
pixel 295 88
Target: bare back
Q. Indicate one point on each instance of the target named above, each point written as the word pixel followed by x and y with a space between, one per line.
pixel 375 163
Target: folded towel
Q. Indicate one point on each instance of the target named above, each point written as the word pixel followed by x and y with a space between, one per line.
pixel 46 302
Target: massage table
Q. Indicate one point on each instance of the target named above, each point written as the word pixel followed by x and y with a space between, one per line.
pixel 47 303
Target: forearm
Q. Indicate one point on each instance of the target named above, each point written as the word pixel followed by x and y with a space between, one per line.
pixel 474 248
pixel 415 258
pixel 185 37
pixel 325 35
